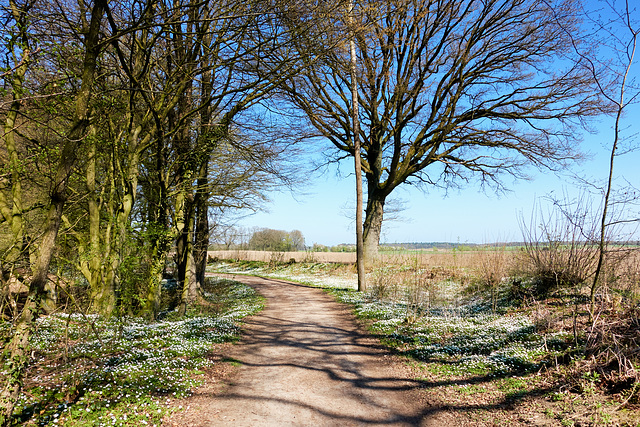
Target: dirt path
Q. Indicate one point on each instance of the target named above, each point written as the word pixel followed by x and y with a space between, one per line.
pixel 305 363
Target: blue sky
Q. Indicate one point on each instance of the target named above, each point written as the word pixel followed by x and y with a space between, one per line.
pixel 469 215
pixel 324 214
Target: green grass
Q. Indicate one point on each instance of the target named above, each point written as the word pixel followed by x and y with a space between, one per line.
pixel 233 362
pixel 470 390
pixel 127 373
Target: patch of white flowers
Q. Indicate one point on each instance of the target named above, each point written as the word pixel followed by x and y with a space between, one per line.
pixel 431 324
pixel 124 360
pixel 492 344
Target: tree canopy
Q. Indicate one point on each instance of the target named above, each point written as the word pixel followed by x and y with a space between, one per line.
pixel 127 126
pixel 266 239
pixel 449 91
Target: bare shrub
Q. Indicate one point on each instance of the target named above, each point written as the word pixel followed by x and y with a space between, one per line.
pixel 382 284
pixel 309 257
pixel 565 252
pixel 622 275
pixel 410 284
pixel 560 252
pixel 613 344
pixel 276 258
pixel 613 337
pixel 419 294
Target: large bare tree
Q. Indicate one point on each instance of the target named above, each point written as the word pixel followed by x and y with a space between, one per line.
pixel 449 90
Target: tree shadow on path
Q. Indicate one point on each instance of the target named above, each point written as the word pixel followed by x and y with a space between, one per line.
pixel 304 361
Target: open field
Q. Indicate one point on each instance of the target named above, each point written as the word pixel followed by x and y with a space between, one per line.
pixel 481 265
pixel 267 256
pixel 461 258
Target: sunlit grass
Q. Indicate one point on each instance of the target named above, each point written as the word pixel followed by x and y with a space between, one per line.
pixel 475 343
pixel 468 342
pixel 465 336
pixel 313 274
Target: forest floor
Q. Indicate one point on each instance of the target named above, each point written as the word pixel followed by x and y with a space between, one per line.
pixel 305 361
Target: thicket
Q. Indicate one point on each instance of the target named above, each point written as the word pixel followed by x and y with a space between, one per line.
pixel 267 239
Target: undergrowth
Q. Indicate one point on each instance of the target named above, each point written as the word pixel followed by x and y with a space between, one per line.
pixel 466 342
pixel 91 371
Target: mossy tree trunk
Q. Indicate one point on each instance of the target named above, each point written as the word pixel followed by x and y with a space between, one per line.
pixel 16 354
pixel 201 243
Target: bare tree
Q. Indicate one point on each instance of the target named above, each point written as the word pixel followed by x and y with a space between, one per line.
pixel 618 37
pixel 449 90
pixel 355 122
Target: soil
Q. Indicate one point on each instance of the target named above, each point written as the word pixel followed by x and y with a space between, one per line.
pixel 304 361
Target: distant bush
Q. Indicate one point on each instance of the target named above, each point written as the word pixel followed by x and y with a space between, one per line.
pixel 266 239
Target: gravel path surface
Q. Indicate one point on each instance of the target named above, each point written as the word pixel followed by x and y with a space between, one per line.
pixel 304 362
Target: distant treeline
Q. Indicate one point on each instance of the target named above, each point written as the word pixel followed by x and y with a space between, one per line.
pixel 443 245
pixel 451 246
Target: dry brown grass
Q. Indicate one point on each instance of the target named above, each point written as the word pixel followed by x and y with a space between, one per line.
pixel 424 280
pixel 485 267
pixel 466 260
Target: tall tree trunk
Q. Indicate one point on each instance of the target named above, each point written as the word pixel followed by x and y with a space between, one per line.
pixel 185 214
pixel 97 261
pixel 373 225
pixel 102 287
pixel 108 261
pixel 16 354
pixel 360 248
pixel 201 243
pixel 127 178
pixel 12 209
pixel 190 287
pixel 203 192
pixel 161 236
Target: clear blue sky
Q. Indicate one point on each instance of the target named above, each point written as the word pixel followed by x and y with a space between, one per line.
pixel 324 214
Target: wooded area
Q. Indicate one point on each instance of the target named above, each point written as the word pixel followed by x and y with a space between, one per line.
pixel 125 125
